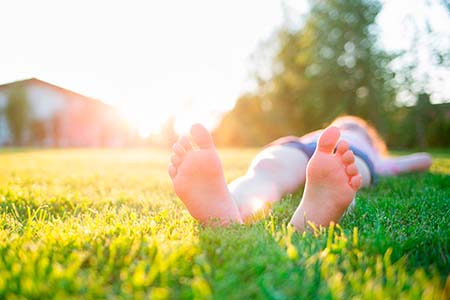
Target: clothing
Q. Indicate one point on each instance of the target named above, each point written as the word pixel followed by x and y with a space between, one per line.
pixel 309 148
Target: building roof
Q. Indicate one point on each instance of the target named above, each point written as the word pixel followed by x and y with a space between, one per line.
pixel 35 81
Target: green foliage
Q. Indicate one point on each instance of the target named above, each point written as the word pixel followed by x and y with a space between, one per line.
pixel 91 224
pixel 330 66
pixel 250 123
pixel 427 124
pixel 18 112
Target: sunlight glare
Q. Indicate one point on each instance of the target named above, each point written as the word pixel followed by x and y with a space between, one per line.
pixel 146 118
pixel 149 118
pixel 257 204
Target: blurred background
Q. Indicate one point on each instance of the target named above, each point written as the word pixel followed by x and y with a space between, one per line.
pixel 133 73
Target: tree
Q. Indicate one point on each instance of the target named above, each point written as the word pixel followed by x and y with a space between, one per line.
pixel 421 70
pixel 329 66
pixel 18 113
pixel 333 66
pixel 250 123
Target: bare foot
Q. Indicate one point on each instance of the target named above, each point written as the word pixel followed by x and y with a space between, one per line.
pixel 198 179
pixel 332 180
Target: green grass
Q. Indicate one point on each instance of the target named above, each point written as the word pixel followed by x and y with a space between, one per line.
pixel 92 224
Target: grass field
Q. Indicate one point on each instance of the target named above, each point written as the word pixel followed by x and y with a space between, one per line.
pixel 93 224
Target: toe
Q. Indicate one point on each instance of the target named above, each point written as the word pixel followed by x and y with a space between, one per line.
pixel 356 182
pixel 185 143
pixel 328 139
pixel 342 147
pixel 178 149
pixel 348 157
pixel 172 171
pixel 175 160
pixel 201 136
pixel 351 170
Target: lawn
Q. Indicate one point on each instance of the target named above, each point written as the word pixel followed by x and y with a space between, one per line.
pixel 96 224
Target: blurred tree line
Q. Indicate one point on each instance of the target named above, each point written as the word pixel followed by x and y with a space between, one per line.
pixel 17 113
pixel 333 65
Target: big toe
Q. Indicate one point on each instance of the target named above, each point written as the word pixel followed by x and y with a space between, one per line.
pixel 201 136
pixel 328 139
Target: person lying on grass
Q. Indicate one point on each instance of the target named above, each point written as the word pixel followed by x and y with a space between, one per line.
pixel 332 163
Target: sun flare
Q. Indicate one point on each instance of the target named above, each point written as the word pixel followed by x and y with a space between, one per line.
pixel 150 118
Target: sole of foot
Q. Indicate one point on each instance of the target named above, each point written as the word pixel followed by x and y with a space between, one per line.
pixel 332 180
pixel 198 179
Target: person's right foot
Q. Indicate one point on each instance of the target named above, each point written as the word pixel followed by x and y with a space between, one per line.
pixel 332 180
pixel 198 179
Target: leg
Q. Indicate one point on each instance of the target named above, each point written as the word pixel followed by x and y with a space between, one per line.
pixel 390 166
pixel 331 183
pixel 198 179
pixel 275 172
pixel 364 171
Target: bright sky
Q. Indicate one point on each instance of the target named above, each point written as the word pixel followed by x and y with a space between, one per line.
pixel 152 59
pixel 399 20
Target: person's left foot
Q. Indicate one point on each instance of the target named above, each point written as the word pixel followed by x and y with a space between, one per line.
pixel 332 180
pixel 199 181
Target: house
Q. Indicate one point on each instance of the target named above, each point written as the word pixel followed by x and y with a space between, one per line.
pixel 58 117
